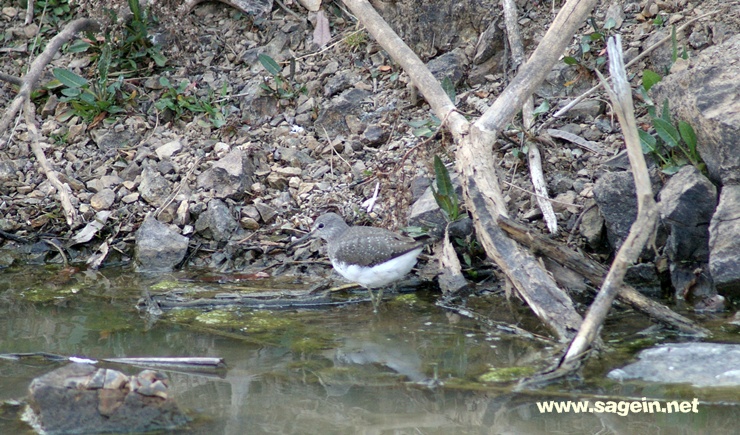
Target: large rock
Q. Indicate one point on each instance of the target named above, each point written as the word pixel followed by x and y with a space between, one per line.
pixel 615 195
pixel 687 203
pixel 698 364
pixel 158 247
pixel 154 188
pixel 433 26
pixel 449 65
pixel 333 117
pixel 724 243
pixel 706 95
pixel 81 398
pixel 216 223
pixel 229 177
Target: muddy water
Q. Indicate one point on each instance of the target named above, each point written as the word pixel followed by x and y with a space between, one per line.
pixel 410 368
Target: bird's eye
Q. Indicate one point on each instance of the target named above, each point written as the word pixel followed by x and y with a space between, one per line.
pixel 320 226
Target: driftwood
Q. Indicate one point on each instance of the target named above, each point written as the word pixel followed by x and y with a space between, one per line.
pixel 475 159
pixel 642 230
pixel 511 19
pixel 595 272
pixel 192 364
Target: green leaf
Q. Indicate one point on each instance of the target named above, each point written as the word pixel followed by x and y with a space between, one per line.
pixel 423 132
pixel 610 24
pixel 68 78
pixel 667 132
pixel 445 195
pixel 78 46
pixel 666 113
pixel 449 88
pixel 670 169
pixel 218 120
pixel 444 183
pixel 71 92
pixel 269 63
pixel 688 135
pixel 585 47
pixel 647 141
pixel 135 9
pixel 570 60
pixel 417 123
pixel 649 78
pixel 544 107
pixel 104 62
pixel 159 59
pixel 164 81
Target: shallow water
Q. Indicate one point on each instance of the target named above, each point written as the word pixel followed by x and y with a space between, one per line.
pixel 411 368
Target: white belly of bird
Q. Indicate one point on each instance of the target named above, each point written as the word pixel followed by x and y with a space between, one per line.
pixel 379 275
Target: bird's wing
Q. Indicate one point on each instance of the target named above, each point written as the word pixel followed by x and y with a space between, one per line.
pixel 366 249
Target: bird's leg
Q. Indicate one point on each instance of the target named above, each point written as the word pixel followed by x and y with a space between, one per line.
pixel 376 302
pixel 377 299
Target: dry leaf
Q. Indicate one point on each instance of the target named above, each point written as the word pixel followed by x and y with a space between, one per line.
pixel 321 34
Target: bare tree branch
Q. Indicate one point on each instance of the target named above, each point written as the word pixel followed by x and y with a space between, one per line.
pixel 476 162
pixel 641 232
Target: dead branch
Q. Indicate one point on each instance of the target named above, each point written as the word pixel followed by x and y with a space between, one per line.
pixel 63 189
pixel 475 159
pixel 23 99
pixel 29 12
pixel 38 65
pixel 595 273
pixel 643 229
pixel 511 18
pixel 451 279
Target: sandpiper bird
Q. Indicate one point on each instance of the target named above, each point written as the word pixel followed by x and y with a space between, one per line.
pixel 370 256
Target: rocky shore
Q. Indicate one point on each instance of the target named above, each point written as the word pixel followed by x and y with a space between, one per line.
pixel 340 128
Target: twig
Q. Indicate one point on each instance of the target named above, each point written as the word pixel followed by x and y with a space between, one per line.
pixel 567 204
pixel 29 12
pixel 63 189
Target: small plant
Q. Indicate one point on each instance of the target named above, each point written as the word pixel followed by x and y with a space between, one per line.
pixel 54 11
pixel 133 49
pixel 355 40
pixel 91 100
pixel 593 46
pixel 673 146
pixel 425 127
pixel 445 194
pixel 181 98
pixel 283 89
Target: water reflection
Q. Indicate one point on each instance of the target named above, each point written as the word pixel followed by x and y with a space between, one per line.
pixel 341 370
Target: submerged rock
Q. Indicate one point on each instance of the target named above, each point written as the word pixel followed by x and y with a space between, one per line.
pixel 698 364
pixel 81 398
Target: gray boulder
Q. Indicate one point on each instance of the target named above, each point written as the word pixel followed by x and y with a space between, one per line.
pixel 158 247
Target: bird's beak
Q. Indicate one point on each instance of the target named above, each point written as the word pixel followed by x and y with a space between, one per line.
pixel 308 235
